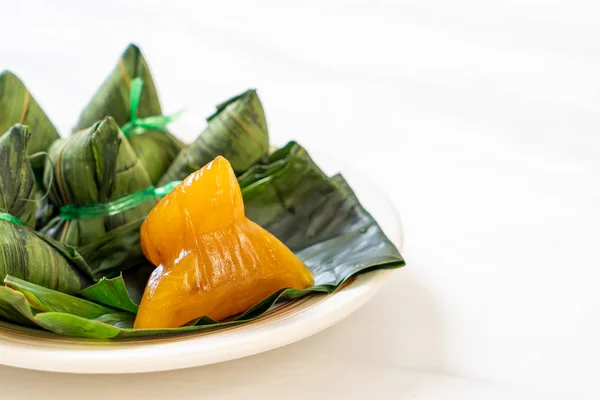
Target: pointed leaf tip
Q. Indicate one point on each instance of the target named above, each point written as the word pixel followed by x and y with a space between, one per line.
pixel 9 75
pixel 132 47
pixel 242 96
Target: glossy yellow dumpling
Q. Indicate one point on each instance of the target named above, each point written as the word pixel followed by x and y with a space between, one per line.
pixel 211 260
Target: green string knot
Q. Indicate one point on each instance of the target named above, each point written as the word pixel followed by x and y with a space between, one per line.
pixel 4 216
pixel 137 126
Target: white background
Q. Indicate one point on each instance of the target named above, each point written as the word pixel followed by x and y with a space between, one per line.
pixel 481 119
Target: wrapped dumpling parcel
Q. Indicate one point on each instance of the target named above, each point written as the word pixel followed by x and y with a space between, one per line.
pixel 237 131
pixel 25 253
pixel 156 149
pixel 92 168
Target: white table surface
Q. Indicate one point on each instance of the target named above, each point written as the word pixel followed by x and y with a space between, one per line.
pixel 482 121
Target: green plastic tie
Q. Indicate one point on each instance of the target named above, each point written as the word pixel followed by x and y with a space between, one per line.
pixel 74 212
pixel 10 218
pixel 137 126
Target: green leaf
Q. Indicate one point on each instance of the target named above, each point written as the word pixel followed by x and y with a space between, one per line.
pixel 8 312
pixel 44 299
pixel 155 149
pixel 273 163
pixel 124 291
pixel 111 292
pixel 17 105
pixel 59 312
pixel 238 131
pixel 61 323
pixel 115 251
pixel 273 189
pixel 72 325
pixel 98 166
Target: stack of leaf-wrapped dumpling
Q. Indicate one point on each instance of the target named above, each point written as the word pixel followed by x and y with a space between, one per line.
pixel 107 158
pixel 242 233
pixel 25 253
pixel 115 152
pixel 97 166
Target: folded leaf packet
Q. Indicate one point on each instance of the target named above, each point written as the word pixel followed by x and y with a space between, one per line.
pixel 98 166
pixel 17 106
pixel 237 131
pixel 25 253
pixel 156 149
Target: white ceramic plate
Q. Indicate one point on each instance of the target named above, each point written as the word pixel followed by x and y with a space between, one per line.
pixel 32 349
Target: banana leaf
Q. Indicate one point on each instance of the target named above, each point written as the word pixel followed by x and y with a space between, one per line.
pixel 96 166
pixel 237 130
pixel 113 291
pixel 67 324
pixel 114 252
pixel 155 149
pixel 274 188
pixel 273 163
pixel 335 237
pixel 123 292
pixel 24 252
pixel 17 105
pixel 8 311
pixel 44 299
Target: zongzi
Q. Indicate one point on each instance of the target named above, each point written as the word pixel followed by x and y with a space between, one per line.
pixel 17 105
pixel 237 131
pixel 212 261
pixel 25 253
pixel 156 149
pixel 97 166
